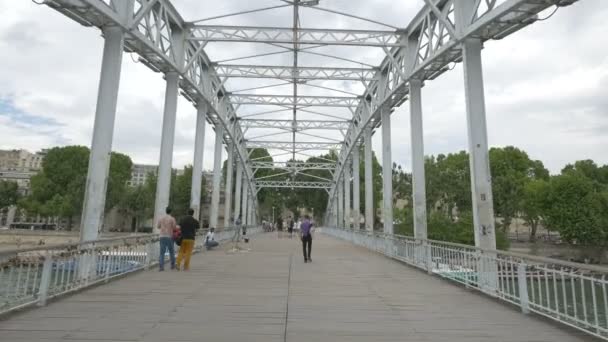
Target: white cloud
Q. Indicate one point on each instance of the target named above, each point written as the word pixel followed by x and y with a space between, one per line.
pixel 545 85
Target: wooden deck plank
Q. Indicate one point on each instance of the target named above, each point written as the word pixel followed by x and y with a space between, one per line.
pixel 346 294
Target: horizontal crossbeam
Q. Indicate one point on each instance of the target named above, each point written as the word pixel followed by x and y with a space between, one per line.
pixel 291 73
pixel 292 184
pixel 297 166
pixel 284 35
pixel 288 100
pixel 289 145
pixel 300 125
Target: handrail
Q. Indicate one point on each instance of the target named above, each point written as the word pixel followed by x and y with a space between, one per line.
pixel 76 245
pixel 570 293
pixel 30 276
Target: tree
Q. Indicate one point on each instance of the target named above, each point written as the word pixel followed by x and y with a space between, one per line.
pixel 120 172
pixel 59 188
pixel 181 187
pixel 448 182
pixel 534 201
pixel 576 210
pixel 511 169
pixel 9 193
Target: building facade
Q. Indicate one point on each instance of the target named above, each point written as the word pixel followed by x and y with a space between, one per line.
pixel 140 173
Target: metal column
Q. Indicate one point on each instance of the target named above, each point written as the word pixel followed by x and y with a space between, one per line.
pixel 238 189
pixel 347 216
pixel 418 182
pixel 334 212
pixel 340 203
pixel 387 172
pixel 369 185
pixel 217 177
pixel 103 131
pixel 356 193
pixel 228 188
pixel 197 165
pixel 481 185
pixel 244 198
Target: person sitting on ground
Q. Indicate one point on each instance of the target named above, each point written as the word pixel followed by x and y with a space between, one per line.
pixel 189 225
pixel 210 239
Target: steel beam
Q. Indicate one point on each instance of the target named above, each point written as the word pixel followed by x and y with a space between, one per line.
pixel 103 131
pixel 296 166
pixel 228 187
pixel 291 184
pixel 435 48
pixel 300 125
pixel 284 35
pixel 369 182
pixel 288 100
pixel 289 145
pixel 417 143
pixel 290 73
pixel 356 191
pixel 197 165
pixel 217 177
pixel 347 217
pixel 237 190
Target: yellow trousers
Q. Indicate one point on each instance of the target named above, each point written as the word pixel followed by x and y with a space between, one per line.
pixel 185 252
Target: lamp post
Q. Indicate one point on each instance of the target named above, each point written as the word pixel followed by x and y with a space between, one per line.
pixel 272 215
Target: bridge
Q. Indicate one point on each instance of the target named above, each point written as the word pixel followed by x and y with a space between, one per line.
pixel 390 287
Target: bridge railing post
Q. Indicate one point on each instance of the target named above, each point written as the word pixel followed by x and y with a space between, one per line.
pixel 45 279
pixel 522 282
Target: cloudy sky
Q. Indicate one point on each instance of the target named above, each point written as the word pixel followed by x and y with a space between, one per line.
pixel 546 86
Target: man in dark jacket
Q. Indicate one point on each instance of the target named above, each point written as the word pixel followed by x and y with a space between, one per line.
pixel 188 225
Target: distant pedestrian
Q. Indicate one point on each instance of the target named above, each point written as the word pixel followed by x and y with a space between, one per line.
pixel 306 236
pixel 188 225
pixel 280 227
pixel 210 239
pixel 166 226
pixel 238 224
pixel 290 224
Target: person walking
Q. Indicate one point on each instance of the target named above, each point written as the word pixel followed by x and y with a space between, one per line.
pixel 280 226
pixel 188 225
pixel 237 229
pixel 306 235
pixel 166 226
pixel 290 224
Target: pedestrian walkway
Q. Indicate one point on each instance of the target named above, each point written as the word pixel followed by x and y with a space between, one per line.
pixel 269 294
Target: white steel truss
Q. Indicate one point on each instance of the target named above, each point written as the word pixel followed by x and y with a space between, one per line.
pixel 431 43
pixel 250 34
pixel 299 125
pixel 292 184
pixel 423 50
pixel 291 73
pixel 293 166
pixel 299 146
pixel 288 100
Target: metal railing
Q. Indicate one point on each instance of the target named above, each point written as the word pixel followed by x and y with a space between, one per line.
pixel 31 276
pixel 571 293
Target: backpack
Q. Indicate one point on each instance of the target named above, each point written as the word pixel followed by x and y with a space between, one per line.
pixel 177 236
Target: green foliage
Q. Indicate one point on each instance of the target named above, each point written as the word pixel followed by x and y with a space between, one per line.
pixel 576 209
pixel 442 227
pixel 448 182
pixel 59 188
pixel 511 169
pixel 9 193
pixel 181 187
pixel 534 200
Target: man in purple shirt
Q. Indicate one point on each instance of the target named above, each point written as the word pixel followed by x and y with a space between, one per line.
pixel 305 231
